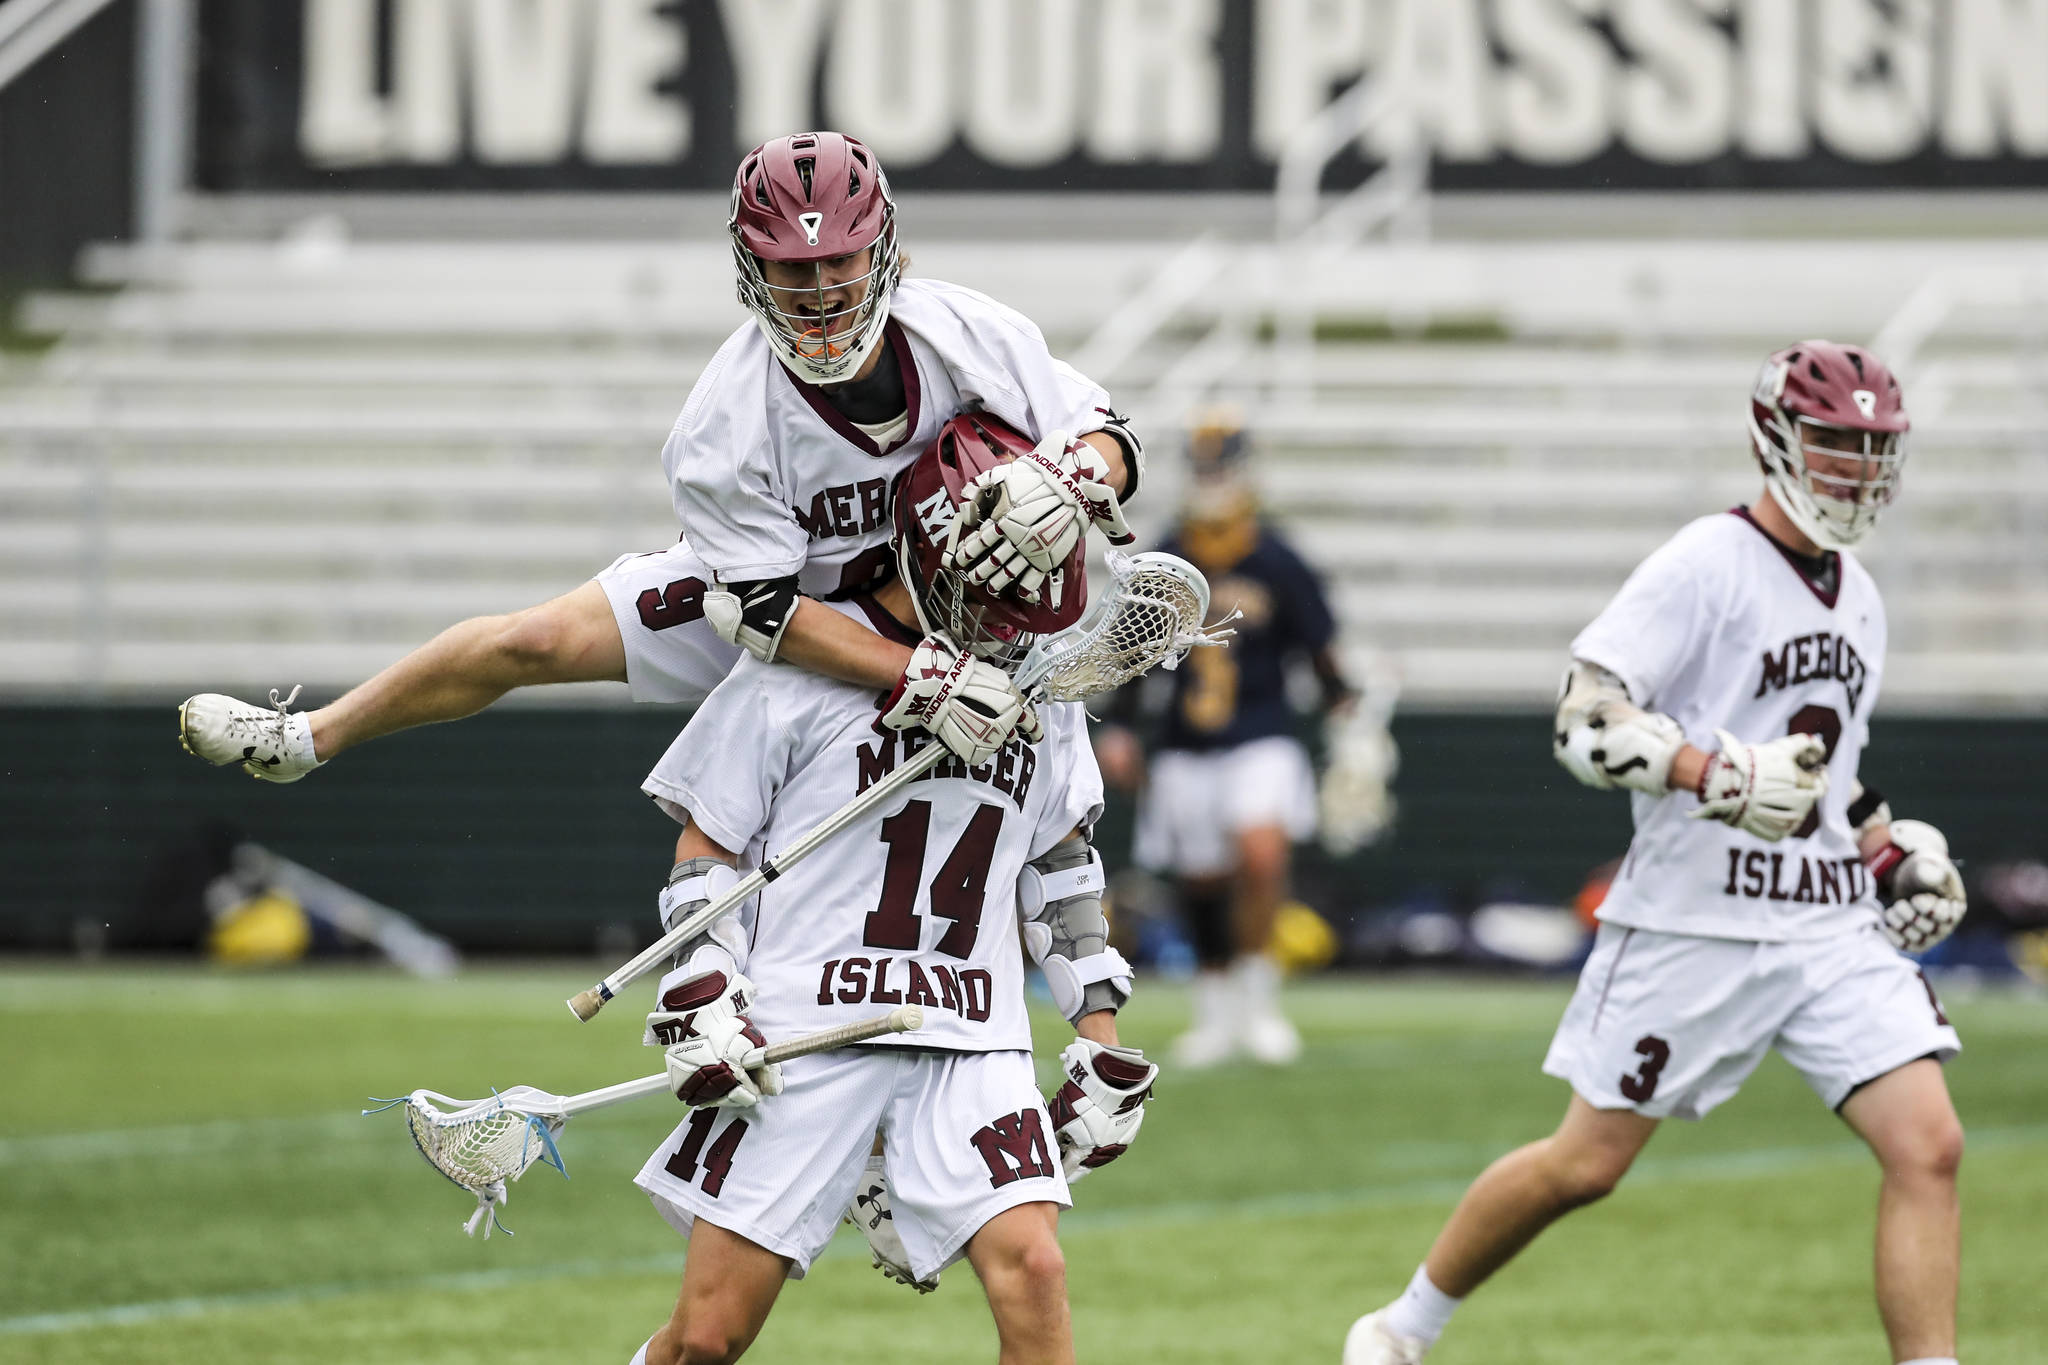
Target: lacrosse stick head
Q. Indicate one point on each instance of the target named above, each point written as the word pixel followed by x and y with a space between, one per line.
pixel 484 1145
pixel 1149 614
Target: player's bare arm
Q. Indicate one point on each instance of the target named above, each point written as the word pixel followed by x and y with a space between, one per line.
pixel 1606 741
pixel 823 641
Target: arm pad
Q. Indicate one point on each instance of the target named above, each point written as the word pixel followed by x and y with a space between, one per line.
pixel 1605 740
pixel 1119 426
pixel 696 882
pixel 1867 807
pixel 752 615
pixel 1059 901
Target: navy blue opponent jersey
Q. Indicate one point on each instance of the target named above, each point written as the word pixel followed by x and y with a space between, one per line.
pixel 1230 696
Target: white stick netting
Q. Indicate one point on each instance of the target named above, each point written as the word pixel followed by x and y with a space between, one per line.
pixel 1151 616
pixel 483 1145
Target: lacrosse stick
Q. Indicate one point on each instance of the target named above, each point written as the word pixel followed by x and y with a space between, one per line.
pixel 1150 614
pixel 484 1145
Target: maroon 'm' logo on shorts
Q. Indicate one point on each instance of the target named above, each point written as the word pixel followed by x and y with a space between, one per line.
pixel 1015 1149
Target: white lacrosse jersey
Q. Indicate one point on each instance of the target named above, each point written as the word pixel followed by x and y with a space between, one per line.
pixel 770 480
pixel 1721 628
pixel 914 904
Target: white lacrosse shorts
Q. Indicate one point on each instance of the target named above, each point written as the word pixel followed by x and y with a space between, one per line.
pixel 1195 804
pixel 672 653
pixel 1671 1025
pixel 967 1136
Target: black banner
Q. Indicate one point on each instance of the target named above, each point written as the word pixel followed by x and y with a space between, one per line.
pixel 1120 94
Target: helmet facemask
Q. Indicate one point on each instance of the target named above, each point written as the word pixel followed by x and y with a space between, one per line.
pixel 821 340
pixel 1832 479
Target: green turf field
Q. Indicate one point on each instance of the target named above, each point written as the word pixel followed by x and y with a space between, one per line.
pixel 188 1181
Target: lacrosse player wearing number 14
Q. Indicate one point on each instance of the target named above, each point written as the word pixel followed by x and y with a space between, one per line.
pixel 932 900
pixel 1767 893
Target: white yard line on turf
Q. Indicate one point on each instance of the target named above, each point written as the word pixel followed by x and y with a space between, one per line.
pixel 1673 1170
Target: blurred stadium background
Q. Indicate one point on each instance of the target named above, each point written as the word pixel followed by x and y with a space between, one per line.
pixel 336 322
pixel 328 323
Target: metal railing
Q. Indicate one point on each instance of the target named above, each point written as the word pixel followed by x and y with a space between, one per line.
pixel 30 28
pixel 1255 292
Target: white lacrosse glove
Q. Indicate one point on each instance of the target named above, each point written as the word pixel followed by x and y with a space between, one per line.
pixel 702 1022
pixel 1925 897
pixel 1020 521
pixel 1763 789
pixel 972 706
pixel 1097 1112
pixel 1619 745
pixel 870 1212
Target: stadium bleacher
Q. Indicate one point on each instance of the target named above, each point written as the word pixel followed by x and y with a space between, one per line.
pixel 248 463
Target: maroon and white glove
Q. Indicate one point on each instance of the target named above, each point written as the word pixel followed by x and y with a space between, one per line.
pixel 1764 789
pixel 1098 1110
pixel 702 1021
pixel 1923 891
pixel 972 706
pixel 873 1212
pixel 1020 521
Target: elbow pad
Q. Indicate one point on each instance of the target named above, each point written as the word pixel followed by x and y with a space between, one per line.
pixel 752 615
pixel 1607 741
pixel 693 884
pixel 1059 901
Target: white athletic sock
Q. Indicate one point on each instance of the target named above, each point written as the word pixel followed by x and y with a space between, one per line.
pixel 1215 1002
pixel 1423 1310
pixel 640 1356
pixel 1930 1360
pixel 1258 980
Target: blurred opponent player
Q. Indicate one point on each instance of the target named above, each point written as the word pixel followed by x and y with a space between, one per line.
pixel 1230 790
pixel 1766 895
pixel 782 466
pixel 922 906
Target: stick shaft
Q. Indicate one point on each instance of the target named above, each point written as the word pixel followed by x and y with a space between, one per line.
pixel 615 1094
pixel 930 757
pixel 904 1019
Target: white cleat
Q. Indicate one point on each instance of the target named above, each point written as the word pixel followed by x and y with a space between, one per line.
pixel 1370 1343
pixel 870 1212
pixel 274 743
pixel 1271 1040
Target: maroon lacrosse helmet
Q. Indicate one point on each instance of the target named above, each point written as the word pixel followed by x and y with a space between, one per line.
pixel 929 496
pixel 1832 482
pixel 810 199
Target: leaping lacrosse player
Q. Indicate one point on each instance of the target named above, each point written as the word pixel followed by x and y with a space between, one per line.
pixel 782 467
pixel 1767 895
pixel 1230 790
pixel 919 903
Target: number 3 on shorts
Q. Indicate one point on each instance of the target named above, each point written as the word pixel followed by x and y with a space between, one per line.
pixel 1655 1052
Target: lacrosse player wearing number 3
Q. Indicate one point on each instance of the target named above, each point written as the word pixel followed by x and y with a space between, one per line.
pixel 933 901
pixel 1767 893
